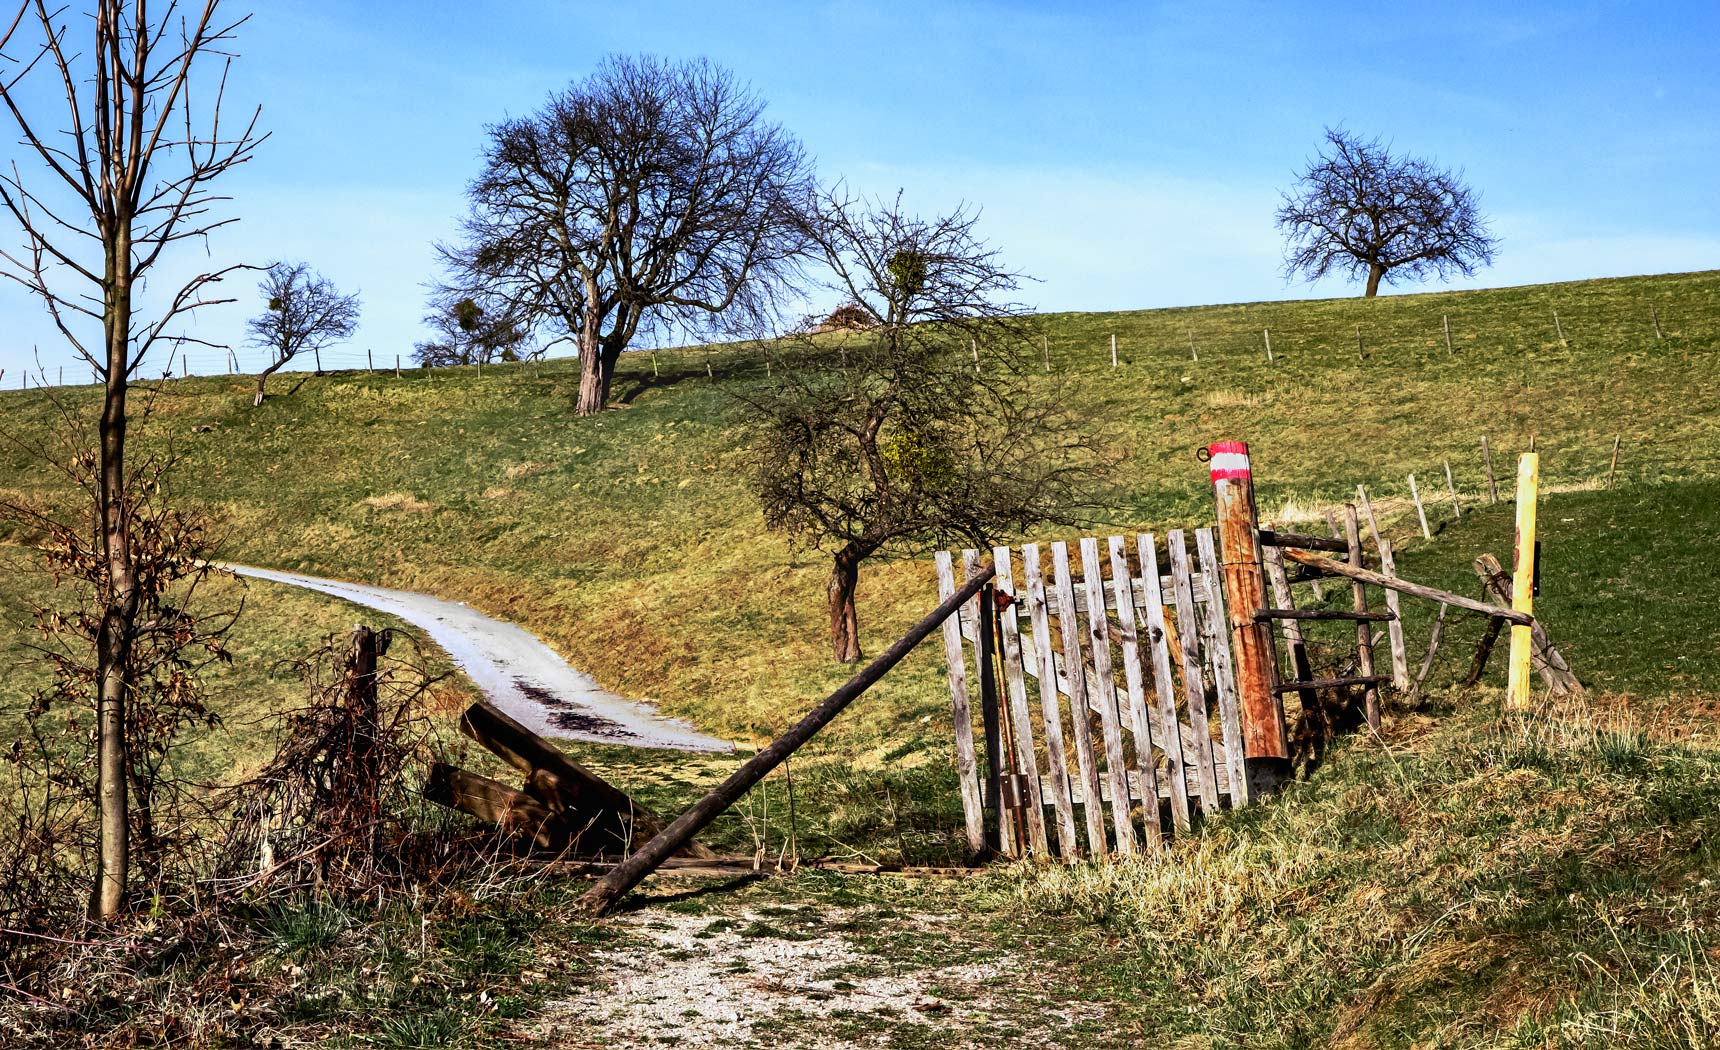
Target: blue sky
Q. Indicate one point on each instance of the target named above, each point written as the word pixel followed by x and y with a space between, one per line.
pixel 1127 155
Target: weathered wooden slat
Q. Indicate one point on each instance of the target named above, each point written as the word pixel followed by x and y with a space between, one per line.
pixel 1137 586
pixel 1002 836
pixel 1321 614
pixel 1170 742
pixel 1364 633
pixel 1194 686
pixel 1394 626
pixel 1277 538
pixel 1300 667
pixel 961 715
pixel 1105 694
pixel 1085 760
pixel 1545 659
pixel 1395 583
pixel 1332 683
pixel 1048 702
pixel 1223 670
pixel 1134 681
pixel 1015 686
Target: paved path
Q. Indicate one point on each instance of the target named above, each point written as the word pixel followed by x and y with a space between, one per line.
pixel 517 672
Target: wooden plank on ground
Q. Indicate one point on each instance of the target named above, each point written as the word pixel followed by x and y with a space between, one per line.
pixel 1015 686
pixel 1223 671
pixel 514 813
pixel 1194 685
pixel 961 714
pixel 1040 620
pixel 1086 761
pixel 1105 694
pixel 1146 770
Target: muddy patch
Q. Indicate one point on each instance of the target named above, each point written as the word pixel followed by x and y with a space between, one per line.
pixel 567 716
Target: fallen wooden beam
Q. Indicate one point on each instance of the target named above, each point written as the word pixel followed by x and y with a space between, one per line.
pixel 1302 557
pixel 513 812
pixel 626 875
pixel 1272 538
pixel 1321 614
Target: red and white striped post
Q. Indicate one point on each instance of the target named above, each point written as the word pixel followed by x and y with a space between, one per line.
pixel 1265 744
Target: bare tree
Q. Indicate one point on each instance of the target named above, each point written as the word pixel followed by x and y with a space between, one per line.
pixel 468 333
pixel 649 194
pixel 1361 211
pixel 305 314
pixel 126 174
pixel 883 436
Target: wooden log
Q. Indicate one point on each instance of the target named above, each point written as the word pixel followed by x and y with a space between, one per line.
pixel 1048 702
pixel 1451 487
pixel 1394 624
pixel 626 875
pixel 1369 680
pixel 1279 538
pixel 1105 695
pixel 1432 648
pixel 990 720
pixel 1218 648
pixel 1399 584
pixel 1262 615
pixel 1364 633
pixel 1300 667
pixel 1194 686
pixel 961 712
pixel 1415 494
pixel 1015 687
pixel 1134 681
pixel 612 821
pixel 1086 761
pixel 1268 333
pixel 1170 741
pixel 514 813
pixel 1543 657
pixel 1265 753
pixel 1487 461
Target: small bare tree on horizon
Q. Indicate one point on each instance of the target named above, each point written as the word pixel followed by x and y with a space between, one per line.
pixel 651 194
pixel 1361 211
pixel 127 176
pixel 304 313
pixel 885 437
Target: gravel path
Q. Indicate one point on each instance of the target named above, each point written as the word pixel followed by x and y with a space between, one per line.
pixel 515 671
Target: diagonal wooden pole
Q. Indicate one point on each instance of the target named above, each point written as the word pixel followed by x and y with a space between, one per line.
pixel 629 873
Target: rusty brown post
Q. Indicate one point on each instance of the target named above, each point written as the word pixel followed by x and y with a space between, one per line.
pixel 1265 747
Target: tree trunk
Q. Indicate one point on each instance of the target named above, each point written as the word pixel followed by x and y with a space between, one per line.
pixel 113 641
pixel 844 620
pixel 1375 272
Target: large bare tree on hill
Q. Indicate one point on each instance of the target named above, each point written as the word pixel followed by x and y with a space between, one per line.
pixel 885 437
pixel 651 194
pixel 123 174
pixel 1359 210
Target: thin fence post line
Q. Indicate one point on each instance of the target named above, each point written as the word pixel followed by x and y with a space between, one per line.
pixel 1045 348
pixel 1445 319
pixel 318 354
pixel 1415 494
pixel 973 344
pixel 1192 352
pixel 62 375
pixel 1451 487
pixel 1113 350
pixel 1612 468
pixel 370 359
pixel 1360 355
pixel 397 366
pixel 233 360
pixel 1560 328
pixel 655 374
pixel 1267 332
pixel 1487 460
pixel 1654 315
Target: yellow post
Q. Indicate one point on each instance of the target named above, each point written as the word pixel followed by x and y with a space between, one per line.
pixel 1523 579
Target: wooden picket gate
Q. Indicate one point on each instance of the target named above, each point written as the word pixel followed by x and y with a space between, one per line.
pixel 1145 741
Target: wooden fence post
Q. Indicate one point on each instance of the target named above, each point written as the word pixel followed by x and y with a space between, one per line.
pixel 961 714
pixel 1446 320
pixel 1360 356
pixel 1364 631
pixel 1045 348
pixel 1560 329
pixel 1265 747
pixel 1192 352
pixel 990 723
pixel 1654 315
pixel 1113 351
pixel 1415 494
pixel 1523 580
pixel 1451 487
pixel 1612 468
pixel 1267 332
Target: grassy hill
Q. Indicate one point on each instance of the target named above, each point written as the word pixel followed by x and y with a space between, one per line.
pixel 1453 877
